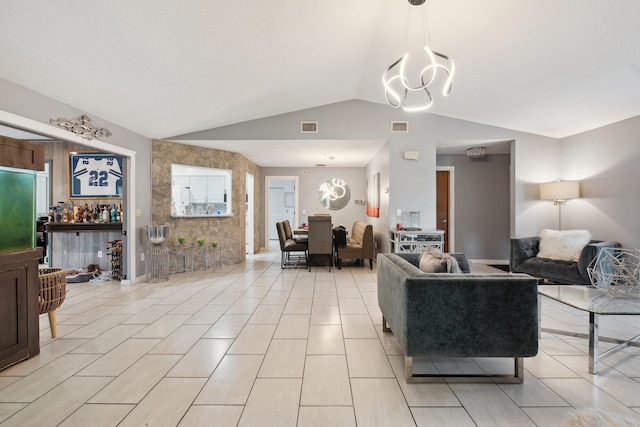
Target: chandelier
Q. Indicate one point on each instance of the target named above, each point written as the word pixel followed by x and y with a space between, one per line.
pixel 398 88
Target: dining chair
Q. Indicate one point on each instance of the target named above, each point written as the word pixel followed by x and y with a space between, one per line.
pixel 320 237
pixel 290 250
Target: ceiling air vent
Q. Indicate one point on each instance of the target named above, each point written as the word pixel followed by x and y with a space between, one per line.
pixel 399 127
pixel 308 127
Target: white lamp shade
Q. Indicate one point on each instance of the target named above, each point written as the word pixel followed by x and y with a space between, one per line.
pixel 560 190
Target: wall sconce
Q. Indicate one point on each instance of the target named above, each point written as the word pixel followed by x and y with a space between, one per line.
pixel 560 192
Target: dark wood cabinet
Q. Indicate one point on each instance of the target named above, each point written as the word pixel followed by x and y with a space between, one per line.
pixel 19 307
pixel 19 281
pixel 21 154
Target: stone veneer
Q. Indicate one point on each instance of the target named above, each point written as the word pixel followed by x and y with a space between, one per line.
pixel 229 232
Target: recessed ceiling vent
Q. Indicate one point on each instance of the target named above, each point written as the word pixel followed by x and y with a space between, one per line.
pixel 399 127
pixel 308 127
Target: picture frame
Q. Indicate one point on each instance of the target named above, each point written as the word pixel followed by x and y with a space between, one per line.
pixel 95 175
pixel 373 196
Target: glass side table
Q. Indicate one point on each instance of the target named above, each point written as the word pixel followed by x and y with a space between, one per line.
pixel 157 263
pixel 199 257
pixel 181 259
pixel 213 256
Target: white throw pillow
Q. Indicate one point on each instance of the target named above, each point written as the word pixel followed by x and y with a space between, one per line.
pixel 562 245
pixel 434 262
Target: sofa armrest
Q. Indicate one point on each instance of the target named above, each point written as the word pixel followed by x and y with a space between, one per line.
pixel 591 251
pixel 521 250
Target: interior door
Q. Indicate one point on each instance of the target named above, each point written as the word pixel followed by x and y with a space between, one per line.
pixel 276 210
pixel 442 204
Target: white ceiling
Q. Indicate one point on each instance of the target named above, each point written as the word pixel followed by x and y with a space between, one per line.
pixel 168 67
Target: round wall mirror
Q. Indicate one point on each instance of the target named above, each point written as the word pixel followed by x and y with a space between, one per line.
pixel 334 194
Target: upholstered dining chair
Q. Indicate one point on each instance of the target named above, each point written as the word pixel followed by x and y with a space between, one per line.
pixel 290 250
pixel 320 237
pixel 288 232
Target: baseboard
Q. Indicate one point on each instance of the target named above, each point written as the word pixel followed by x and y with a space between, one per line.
pixel 490 261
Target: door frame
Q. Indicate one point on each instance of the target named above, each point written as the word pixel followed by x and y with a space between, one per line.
pixel 267 220
pixel 249 234
pixel 452 205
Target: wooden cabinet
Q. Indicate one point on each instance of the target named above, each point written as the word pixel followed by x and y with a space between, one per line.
pixel 20 154
pixel 19 281
pixel 19 307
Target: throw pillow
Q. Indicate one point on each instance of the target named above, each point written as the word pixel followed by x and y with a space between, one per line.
pixel 434 262
pixel 562 245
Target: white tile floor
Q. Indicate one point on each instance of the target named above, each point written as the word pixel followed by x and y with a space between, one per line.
pixel 253 345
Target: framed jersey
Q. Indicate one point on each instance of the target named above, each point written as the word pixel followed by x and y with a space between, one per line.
pixel 94 174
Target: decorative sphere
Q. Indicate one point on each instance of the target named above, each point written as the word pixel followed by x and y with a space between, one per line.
pixel 617 272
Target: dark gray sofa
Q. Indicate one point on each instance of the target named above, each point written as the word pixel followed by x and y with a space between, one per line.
pixel 524 260
pixel 457 315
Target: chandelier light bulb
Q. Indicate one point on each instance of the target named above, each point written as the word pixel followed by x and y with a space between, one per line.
pixel 396 81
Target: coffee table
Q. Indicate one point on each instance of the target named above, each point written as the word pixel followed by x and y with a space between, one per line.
pixel 596 303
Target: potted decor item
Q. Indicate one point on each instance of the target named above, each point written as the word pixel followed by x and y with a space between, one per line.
pixel 181 241
pixel 214 244
pixel 200 242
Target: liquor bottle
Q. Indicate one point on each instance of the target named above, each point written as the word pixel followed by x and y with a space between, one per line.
pixel 65 214
pixel 58 212
pixel 105 213
pixel 114 213
pixel 119 213
pixel 72 213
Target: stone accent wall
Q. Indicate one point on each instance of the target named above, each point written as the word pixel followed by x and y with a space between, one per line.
pixel 229 232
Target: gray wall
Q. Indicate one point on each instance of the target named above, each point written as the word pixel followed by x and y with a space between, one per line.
pixel 411 183
pixel 380 163
pixel 23 102
pixel 481 205
pixel 606 161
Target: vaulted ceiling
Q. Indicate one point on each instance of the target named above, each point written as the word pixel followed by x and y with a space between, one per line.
pixel 163 68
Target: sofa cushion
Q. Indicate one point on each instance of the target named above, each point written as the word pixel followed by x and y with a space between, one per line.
pixel 435 262
pixel 562 245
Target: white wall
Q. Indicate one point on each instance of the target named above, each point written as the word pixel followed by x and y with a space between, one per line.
pixel 606 161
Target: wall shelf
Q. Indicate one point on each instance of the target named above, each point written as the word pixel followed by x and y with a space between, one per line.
pixel 85 227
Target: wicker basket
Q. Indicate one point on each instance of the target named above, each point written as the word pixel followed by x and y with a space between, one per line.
pixel 53 288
